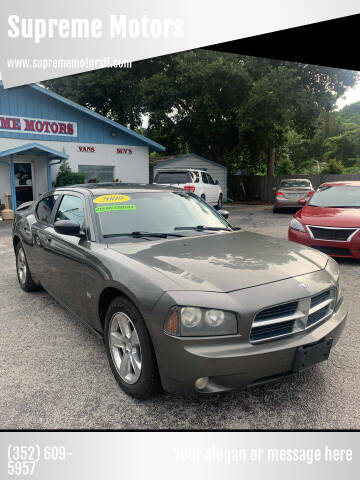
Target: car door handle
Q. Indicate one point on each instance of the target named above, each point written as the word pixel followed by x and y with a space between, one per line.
pixel 48 240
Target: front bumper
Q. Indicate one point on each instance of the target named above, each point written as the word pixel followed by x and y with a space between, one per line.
pixel 232 362
pixel 334 249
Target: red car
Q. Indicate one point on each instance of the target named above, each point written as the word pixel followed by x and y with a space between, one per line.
pixel 330 220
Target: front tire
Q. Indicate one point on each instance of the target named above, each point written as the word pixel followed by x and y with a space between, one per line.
pixel 23 272
pixel 129 350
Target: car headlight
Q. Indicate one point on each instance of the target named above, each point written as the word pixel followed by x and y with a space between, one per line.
pixel 296 225
pixel 332 268
pixel 200 322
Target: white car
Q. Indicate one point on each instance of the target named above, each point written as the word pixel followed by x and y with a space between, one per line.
pixel 196 181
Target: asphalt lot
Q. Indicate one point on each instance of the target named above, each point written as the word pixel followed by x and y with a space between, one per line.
pixel 54 372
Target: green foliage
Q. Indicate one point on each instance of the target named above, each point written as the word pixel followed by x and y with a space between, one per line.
pixel 229 108
pixel 66 176
pixel 334 166
pixel 285 167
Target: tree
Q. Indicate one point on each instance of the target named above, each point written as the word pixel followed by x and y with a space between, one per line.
pixel 66 176
pixel 289 95
pixel 285 167
pixel 334 166
pixel 233 109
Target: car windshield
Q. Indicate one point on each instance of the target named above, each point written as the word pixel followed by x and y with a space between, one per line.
pixel 341 196
pixel 295 183
pixel 160 212
pixel 173 177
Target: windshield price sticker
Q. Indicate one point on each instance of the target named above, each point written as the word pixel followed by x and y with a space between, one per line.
pixel 116 198
pixel 111 208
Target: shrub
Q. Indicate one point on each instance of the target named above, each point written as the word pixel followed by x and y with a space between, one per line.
pixel 333 166
pixel 66 176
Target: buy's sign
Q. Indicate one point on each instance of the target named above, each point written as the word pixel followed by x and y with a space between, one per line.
pixel 115 198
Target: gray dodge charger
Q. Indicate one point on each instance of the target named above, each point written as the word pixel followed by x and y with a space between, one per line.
pixel 183 300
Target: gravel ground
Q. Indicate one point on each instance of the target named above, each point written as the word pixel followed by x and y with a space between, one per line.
pixel 54 373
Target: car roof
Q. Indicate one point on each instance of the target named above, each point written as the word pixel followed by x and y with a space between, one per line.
pixel 295 180
pixel 114 187
pixel 349 183
pixel 178 169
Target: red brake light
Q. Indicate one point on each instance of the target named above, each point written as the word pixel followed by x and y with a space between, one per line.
pixel 311 193
pixel 189 188
pixel 278 194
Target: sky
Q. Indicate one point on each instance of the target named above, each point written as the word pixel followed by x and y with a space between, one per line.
pixel 351 96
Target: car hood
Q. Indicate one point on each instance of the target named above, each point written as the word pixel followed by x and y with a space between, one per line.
pixel 330 217
pixel 224 262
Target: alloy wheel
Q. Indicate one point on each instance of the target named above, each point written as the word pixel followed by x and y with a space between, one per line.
pixel 21 265
pixel 125 347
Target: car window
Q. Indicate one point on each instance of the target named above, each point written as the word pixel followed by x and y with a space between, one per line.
pixel 196 177
pixel 45 208
pixel 295 184
pixel 342 196
pixel 173 177
pixel 154 212
pixel 211 181
pixel 71 208
pixel 204 177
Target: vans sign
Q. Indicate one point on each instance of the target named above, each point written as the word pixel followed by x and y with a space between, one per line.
pixel 86 148
pixel 38 126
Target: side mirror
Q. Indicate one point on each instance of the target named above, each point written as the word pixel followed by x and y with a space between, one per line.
pixel 224 213
pixel 67 227
pixel 217 182
pixel 302 202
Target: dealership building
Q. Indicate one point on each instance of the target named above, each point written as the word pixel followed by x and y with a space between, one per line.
pixel 39 129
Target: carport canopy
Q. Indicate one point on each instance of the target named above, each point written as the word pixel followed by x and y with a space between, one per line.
pixel 52 158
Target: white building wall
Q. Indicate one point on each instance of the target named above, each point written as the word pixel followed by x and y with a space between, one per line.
pixel 217 173
pixel 4 181
pixel 128 167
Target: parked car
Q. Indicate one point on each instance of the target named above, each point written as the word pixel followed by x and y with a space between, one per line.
pixel 330 220
pixel 290 192
pixel 182 299
pixel 195 181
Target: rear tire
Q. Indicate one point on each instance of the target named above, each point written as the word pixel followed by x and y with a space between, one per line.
pixel 220 202
pixel 276 210
pixel 23 272
pixel 130 351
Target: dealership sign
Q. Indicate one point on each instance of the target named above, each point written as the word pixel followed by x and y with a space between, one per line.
pixel 37 126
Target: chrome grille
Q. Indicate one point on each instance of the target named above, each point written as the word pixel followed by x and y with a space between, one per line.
pixel 321 306
pixel 328 233
pixel 292 317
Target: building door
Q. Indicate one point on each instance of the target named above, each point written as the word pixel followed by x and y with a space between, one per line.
pixel 23 182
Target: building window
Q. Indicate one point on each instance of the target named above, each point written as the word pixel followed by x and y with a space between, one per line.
pixel 102 173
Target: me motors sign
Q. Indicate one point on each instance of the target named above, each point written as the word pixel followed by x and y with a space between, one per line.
pixel 39 126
